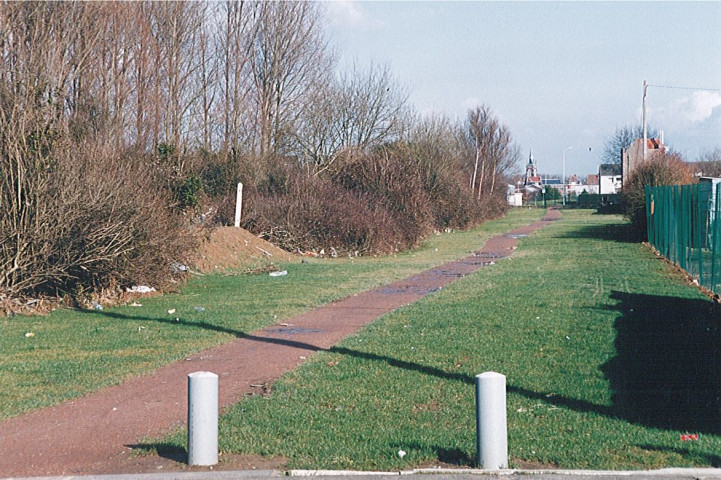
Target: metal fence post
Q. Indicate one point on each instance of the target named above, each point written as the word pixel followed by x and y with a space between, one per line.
pixel 202 418
pixel 492 434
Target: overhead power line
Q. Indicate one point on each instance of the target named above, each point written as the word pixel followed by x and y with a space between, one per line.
pixel 685 88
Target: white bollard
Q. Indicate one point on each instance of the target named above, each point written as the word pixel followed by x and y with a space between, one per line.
pixel 492 438
pixel 202 418
pixel 238 204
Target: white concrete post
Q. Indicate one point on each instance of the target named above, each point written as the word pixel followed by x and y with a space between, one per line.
pixel 202 418
pixel 238 204
pixel 492 438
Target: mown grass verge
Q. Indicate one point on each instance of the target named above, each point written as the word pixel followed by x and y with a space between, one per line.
pixel 72 352
pixel 609 359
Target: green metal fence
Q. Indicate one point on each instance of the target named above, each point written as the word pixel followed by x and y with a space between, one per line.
pixel 682 226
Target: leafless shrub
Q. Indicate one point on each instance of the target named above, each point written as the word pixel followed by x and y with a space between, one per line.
pixel 378 201
pixel 102 222
pixel 389 178
pixel 310 214
pixel 661 169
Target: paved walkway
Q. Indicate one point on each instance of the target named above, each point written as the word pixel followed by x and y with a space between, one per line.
pixel 94 434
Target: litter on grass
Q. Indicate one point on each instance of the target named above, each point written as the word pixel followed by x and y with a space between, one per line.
pixel 281 273
pixel 178 267
pixel 140 289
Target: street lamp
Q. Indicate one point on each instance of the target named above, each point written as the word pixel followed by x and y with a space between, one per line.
pixel 564 175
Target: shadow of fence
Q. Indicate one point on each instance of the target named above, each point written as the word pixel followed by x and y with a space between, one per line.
pixel 666 370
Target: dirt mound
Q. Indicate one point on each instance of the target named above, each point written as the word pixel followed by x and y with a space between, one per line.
pixel 231 248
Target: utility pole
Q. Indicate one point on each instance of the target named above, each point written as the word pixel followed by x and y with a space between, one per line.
pixel 645 131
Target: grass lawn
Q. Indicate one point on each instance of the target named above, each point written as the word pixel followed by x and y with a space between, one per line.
pixel 609 359
pixel 73 352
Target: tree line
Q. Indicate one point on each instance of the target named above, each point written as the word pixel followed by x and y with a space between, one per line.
pixel 124 125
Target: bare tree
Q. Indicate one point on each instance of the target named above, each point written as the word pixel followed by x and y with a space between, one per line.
pixel 433 142
pixel 709 163
pixel 235 43
pixel 371 106
pixel 45 52
pixel 177 28
pixel 360 110
pixel 143 48
pixel 65 93
pixel 489 148
pixel 622 138
pixel 473 136
pixel 100 95
pixel 316 142
pixel 208 75
pixel 289 56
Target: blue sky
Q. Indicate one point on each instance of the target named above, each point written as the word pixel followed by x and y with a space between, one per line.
pixel 558 74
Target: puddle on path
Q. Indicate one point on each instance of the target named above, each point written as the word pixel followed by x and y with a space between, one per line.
pixel 446 273
pixel 413 289
pixel 292 330
pixel 495 256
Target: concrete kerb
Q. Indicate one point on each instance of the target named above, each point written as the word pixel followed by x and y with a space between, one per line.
pixel 419 474
pixel 438 473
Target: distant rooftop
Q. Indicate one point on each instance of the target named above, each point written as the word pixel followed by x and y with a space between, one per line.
pixel 551 181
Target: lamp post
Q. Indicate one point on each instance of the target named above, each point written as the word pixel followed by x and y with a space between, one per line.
pixel 563 180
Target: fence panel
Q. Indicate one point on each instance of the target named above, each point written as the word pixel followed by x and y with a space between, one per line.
pixel 684 226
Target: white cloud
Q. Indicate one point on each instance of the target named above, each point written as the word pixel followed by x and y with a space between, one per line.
pixel 695 109
pixel 701 105
pixel 350 14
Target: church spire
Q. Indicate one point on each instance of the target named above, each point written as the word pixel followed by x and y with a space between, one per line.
pixel 531 170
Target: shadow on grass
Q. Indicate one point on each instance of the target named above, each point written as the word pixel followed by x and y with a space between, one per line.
pixel 205 326
pixel 455 456
pixel 666 370
pixel 617 232
pixel 450 456
pixel 701 458
pixel 446 455
pixel 665 375
pixel 552 399
pixel 163 450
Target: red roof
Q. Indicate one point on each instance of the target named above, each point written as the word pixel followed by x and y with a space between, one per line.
pixel 653 143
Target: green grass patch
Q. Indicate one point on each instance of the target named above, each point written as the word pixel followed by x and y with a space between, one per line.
pixel 73 352
pixel 609 358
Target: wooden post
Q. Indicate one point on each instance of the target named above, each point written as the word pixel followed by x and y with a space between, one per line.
pixel 238 205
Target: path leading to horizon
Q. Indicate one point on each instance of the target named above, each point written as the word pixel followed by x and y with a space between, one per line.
pixel 95 434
